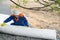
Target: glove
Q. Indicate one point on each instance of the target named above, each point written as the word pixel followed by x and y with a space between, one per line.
pixel 3 24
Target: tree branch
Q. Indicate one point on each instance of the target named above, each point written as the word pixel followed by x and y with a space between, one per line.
pixel 33 8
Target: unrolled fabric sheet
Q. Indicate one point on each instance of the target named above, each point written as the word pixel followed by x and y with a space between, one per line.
pixel 30 32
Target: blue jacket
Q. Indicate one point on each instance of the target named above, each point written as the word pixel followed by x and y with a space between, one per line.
pixel 22 21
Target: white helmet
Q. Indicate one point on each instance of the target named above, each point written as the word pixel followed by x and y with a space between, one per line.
pixel 16 12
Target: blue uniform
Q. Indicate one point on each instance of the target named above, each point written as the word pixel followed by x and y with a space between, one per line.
pixel 21 21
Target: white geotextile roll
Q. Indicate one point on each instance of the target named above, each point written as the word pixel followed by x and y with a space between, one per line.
pixel 30 32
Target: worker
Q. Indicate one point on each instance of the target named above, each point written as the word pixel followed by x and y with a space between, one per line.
pixel 18 18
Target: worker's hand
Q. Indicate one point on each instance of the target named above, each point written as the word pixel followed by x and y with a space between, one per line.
pixel 3 24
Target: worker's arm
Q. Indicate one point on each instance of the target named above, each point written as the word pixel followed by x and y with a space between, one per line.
pixel 25 22
pixel 9 19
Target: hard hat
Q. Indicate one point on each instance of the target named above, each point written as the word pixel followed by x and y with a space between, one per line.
pixel 16 12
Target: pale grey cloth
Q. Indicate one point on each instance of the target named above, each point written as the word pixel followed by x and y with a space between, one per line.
pixel 15 37
pixel 5 9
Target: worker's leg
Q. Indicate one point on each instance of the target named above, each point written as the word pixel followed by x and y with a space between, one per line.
pixel 15 24
pixel 12 24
